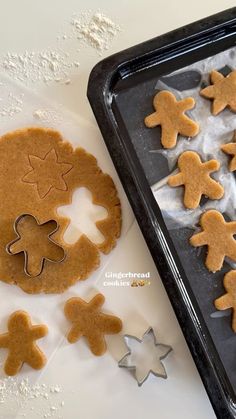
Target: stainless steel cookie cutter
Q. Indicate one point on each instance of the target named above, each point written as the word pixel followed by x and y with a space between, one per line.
pixel 43 259
pixel 123 364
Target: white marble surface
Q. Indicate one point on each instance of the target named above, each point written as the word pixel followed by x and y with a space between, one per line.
pixel 96 387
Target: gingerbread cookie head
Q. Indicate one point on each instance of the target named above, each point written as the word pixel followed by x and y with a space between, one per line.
pixel 88 320
pixel 170 115
pixel 230 149
pixel 47 171
pixel 20 342
pixel 222 91
pixel 195 177
pixel 228 300
pixel 218 235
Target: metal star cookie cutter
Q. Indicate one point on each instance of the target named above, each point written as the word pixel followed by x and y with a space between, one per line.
pixel 132 368
pixel 19 236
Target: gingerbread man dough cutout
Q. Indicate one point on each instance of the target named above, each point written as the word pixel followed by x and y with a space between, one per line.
pixel 222 91
pixel 88 320
pixel 230 149
pixel 170 115
pixel 20 342
pixel 217 234
pixel 195 176
pixel 228 300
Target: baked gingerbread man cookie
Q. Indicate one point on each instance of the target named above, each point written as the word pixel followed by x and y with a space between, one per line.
pixel 195 177
pixel 218 235
pixel 20 342
pixel 39 173
pixel 88 320
pixel 170 115
pixel 228 300
pixel 222 91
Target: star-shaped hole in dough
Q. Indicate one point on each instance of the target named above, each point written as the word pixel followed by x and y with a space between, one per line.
pixel 88 320
pixel 35 241
pixel 146 356
pixel 20 342
pixel 195 176
pixel 230 149
pixel 218 235
pixel 170 115
pixel 47 173
pixel 83 215
pixel 228 300
pixel 222 91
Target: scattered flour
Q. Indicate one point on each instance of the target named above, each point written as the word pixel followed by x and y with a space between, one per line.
pixel 55 64
pixel 97 32
pixel 20 394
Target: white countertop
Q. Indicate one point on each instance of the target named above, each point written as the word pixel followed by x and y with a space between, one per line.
pixel 97 388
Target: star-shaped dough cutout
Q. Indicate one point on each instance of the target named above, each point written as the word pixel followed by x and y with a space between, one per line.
pixel 195 176
pixel 20 342
pixel 228 300
pixel 170 115
pixel 140 367
pixel 222 91
pixel 218 235
pixel 47 173
pixel 35 241
pixel 230 149
pixel 88 320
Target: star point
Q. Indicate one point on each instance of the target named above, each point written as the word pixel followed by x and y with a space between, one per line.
pixel 47 173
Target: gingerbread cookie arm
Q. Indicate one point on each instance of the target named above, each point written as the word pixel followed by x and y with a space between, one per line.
pixel 97 302
pixel 4 340
pixel 216 76
pixel 186 104
pixel 198 239
pixel 110 324
pixel 153 120
pixel 224 302
pixel 38 332
pixel 176 180
pixel 212 165
pixel 208 92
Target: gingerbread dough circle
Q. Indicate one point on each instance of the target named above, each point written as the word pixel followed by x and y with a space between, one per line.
pixel 39 173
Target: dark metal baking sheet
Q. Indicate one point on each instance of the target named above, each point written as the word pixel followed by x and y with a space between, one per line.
pixel 120 91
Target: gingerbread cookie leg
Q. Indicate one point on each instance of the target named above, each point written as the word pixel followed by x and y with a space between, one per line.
pixel 13 364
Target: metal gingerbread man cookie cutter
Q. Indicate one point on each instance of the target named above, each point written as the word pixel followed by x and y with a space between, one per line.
pixel 10 246
pixel 122 362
